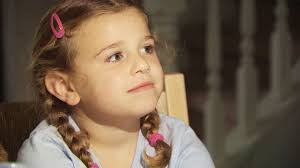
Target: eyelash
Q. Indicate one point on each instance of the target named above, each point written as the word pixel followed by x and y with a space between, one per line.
pixel 120 55
pixel 151 47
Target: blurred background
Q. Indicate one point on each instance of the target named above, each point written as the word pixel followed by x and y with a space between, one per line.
pixel 241 63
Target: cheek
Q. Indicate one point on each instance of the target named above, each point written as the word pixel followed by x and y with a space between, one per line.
pixel 155 64
pixel 95 84
pixel 157 75
pixel 110 84
pixel 104 93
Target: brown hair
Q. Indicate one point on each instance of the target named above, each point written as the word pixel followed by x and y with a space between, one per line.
pixel 52 54
pixel 3 154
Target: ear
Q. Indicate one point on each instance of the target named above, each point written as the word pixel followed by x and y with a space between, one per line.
pixel 60 85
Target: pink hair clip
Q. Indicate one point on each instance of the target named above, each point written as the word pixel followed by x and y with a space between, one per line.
pixel 61 31
pixel 154 138
pixel 94 166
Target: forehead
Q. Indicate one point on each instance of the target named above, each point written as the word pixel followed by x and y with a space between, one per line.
pixel 108 28
pixel 127 16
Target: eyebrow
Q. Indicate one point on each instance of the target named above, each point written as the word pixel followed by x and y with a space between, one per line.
pixel 149 37
pixel 114 45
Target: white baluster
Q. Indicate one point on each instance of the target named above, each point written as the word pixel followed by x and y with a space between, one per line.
pixel 214 115
pixel 247 76
pixel 280 54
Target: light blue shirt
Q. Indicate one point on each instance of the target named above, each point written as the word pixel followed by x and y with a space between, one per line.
pixel 45 147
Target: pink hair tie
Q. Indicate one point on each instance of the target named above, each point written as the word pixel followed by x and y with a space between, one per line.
pixel 61 31
pixel 154 138
pixel 94 166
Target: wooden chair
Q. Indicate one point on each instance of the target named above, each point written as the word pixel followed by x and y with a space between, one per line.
pixel 17 120
pixel 173 100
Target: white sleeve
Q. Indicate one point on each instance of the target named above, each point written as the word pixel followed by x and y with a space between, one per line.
pixel 193 153
pixel 42 151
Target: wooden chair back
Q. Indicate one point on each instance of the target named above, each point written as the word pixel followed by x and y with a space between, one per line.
pixel 173 100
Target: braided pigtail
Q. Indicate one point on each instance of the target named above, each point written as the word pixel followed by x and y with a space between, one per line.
pixel 149 126
pixel 3 154
pixel 78 142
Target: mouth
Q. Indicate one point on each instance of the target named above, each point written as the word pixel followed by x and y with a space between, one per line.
pixel 141 87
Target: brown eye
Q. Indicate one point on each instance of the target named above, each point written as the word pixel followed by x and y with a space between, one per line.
pixel 115 57
pixel 149 49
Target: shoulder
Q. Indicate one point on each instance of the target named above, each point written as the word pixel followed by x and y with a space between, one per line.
pixel 43 133
pixel 187 148
pixel 172 128
pixel 45 147
pixel 176 131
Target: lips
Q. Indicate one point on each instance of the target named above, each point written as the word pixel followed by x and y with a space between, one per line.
pixel 141 87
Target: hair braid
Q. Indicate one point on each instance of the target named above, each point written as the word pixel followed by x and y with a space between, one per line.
pixel 3 154
pixel 149 125
pixel 76 141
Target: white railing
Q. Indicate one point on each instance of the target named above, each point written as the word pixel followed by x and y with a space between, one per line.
pixel 255 115
pixel 247 76
pixel 214 133
pixel 251 113
pixel 281 54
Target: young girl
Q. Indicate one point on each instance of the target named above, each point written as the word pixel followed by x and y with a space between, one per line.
pixel 98 79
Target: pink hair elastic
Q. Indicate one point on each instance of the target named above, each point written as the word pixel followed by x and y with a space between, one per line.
pixel 61 31
pixel 94 166
pixel 154 138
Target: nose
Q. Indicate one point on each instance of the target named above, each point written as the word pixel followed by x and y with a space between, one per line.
pixel 140 65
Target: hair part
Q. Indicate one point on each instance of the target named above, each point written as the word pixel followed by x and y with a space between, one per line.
pixel 52 54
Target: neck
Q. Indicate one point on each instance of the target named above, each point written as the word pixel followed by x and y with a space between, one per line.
pixel 123 133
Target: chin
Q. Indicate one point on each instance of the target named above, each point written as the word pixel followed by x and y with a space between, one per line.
pixel 144 108
pixel 143 104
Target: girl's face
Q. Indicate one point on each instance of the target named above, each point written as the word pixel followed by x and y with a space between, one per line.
pixel 115 55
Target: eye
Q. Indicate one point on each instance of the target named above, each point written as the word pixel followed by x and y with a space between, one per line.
pixel 115 57
pixel 148 49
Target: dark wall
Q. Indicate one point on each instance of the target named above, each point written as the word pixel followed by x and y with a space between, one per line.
pixel 18 24
pixel 1 56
